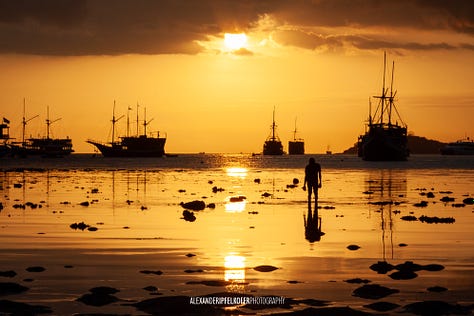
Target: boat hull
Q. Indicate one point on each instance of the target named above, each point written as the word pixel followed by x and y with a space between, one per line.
pixel 384 144
pixel 45 147
pixel 459 148
pixel 273 147
pixel 133 147
pixel 296 147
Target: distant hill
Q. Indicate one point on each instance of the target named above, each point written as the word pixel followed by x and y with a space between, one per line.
pixel 416 144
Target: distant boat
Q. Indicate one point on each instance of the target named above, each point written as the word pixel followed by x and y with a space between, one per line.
pixel 460 147
pixel 272 145
pixel 41 146
pixel 385 140
pixel 132 146
pixel 296 146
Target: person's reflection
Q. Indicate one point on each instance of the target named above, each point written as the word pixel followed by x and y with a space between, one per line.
pixel 312 223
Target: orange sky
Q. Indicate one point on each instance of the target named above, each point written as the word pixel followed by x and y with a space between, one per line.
pixel 315 62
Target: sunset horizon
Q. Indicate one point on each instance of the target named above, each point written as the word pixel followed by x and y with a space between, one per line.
pixel 210 74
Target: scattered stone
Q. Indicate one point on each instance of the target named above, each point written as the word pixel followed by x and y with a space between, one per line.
pixel 17 308
pixel 151 288
pixel 432 267
pixel 9 288
pixel 468 201
pixel 236 199
pixel 95 190
pixel 8 274
pixel 430 195
pixel 157 272
pixel 68 266
pixel 437 289
pixel 458 205
pixel 211 205
pixel 35 269
pixel 382 306
pixel 436 220
pixel 408 266
pixel 447 199
pixel 436 308
pixel 353 247
pixel 86 203
pixel 382 267
pixel 80 226
pixel 409 218
pixel 189 216
pixel 403 275
pixel 402 245
pixel 194 205
pixel 421 204
pixel 181 190
pixel 189 255
pixel 265 268
pixel 257 180
pixel 357 281
pixel 17 185
pixel 367 192
pixel 373 291
pixel 293 282
pixel 92 229
pixel 216 189
pixel 99 296
pixel 266 194
pixel 143 208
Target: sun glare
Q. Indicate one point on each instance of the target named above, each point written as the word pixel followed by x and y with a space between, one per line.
pixel 234 41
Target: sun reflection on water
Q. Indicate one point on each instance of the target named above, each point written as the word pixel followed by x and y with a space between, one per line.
pixel 234 268
pixel 238 172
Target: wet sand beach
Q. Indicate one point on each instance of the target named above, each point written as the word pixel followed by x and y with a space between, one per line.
pixel 85 235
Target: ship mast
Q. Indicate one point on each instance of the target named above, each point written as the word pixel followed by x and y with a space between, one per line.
pixel 382 97
pixel 273 125
pixel 49 122
pixel 114 120
pixel 24 122
pixel 294 132
pixel 145 123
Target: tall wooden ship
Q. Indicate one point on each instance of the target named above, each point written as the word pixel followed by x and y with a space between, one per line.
pixel 41 146
pixel 273 145
pixel 140 145
pixel 296 146
pixel 385 138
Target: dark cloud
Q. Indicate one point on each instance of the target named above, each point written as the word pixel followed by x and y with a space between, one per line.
pixel 96 27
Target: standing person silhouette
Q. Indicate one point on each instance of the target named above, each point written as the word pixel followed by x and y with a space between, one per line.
pixel 312 177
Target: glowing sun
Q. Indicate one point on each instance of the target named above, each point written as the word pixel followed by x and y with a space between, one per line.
pixel 235 41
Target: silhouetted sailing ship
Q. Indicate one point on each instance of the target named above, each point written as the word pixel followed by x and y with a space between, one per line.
pixel 296 146
pixel 272 145
pixel 42 146
pixel 132 146
pixel 384 140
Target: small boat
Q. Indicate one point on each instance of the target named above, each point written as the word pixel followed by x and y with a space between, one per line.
pixel 272 145
pixel 385 140
pixel 460 147
pixel 132 146
pixel 296 146
pixel 41 146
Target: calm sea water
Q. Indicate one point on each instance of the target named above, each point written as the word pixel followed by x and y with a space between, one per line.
pixel 258 218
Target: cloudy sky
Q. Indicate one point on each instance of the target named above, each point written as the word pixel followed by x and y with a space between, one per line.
pixel 316 62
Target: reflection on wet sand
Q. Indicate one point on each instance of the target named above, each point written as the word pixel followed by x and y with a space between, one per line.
pixel 312 223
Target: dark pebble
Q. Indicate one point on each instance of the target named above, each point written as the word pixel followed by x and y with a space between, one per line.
pixel 437 289
pixel 353 247
pixel 437 308
pixel 382 306
pixel 157 272
pixel 8 274
pixel 35 269
pixel 265 268
pixel 9 288
pixel 17 308
pixel 194 205
pixel 357 281
pixel 373 291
